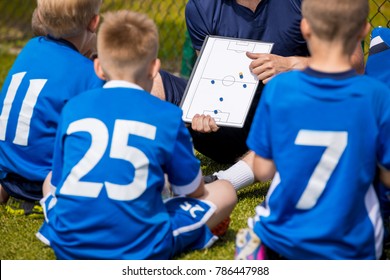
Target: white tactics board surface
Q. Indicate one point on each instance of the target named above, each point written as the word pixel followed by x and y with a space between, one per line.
pixel 221 84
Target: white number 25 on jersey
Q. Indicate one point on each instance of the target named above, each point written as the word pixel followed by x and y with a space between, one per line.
pixel 119 150
pixel 335 143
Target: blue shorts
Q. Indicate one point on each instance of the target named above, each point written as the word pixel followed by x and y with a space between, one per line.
pixel 21 188
pixel 188 217
pixel 174 87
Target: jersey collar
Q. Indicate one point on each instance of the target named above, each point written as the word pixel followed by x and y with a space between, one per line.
pixel 336 76
pixel 61 42
pixel 122 84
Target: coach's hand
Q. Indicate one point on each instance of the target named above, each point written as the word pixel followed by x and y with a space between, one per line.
pixel 265 66
pixel 204 124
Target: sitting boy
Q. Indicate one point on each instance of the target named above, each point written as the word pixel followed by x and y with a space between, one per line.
pixel 46 74
pixel 321 144
pixel 378 66
pixel 109 164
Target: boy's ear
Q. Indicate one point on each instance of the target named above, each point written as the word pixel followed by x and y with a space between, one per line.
pixel 98 69
pixel 305 29
pixel 154 68
pixel 94 23
pixel 366 28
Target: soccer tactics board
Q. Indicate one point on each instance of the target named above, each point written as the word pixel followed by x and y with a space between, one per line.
pixel 221 84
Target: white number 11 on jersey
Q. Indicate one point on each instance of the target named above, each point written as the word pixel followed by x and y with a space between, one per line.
pixel 26 111
pixel 335 143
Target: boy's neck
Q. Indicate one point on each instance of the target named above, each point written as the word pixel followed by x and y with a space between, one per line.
pixel 144 83
pixel 79 41
pixel 328 57
pixel 75 41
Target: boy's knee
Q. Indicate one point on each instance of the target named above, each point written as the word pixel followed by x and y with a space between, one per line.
pixel 231 193
pixel 222 194
pixel 227 192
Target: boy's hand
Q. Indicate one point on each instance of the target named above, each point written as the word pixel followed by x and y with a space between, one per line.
pixel 204 124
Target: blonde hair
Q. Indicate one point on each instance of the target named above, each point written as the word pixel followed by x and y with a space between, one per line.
pixel 66 18
pixel 127 41
pixel 336 19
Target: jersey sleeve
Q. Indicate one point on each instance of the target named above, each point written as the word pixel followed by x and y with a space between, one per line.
pixel 384 132
pixel 259 135
pixel 199 21
pixel 183 168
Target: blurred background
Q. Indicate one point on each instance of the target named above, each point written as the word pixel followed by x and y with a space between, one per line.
pixel 176 51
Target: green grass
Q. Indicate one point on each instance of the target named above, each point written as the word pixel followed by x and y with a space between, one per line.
pixel 18 241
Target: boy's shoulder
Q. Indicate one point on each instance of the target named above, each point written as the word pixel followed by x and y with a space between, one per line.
pixel 300 80
pixel 378 86
pixel 285 78
pixel 110 104
pixel 59 62
pixel 126 97
pixel 47 46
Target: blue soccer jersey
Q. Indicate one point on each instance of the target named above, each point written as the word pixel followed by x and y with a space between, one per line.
pixel 378 61
pixel 113 147
pixel 45 75
pixel 378 67
pixel 326 133
pixel 276 21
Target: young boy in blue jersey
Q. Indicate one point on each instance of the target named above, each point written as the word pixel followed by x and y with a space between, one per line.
pixel 109 165
pixel 378 66
pixel 46 74
pixel 321 144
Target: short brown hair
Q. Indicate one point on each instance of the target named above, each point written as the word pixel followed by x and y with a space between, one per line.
pixel 36 25
pixel 127 41
pixel 336 19
pixel 66 18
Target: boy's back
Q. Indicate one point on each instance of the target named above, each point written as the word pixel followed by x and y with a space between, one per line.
pixel 130 220
pixel 322 132
pixel 46 74
pixel 325 135
pixel 378 67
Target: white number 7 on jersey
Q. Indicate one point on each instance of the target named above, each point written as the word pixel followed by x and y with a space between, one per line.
pixel 336 142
